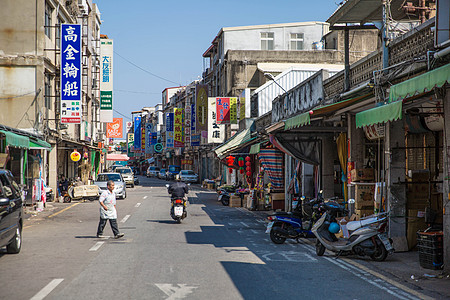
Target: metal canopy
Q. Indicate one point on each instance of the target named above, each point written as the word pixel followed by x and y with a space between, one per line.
pixel 366 11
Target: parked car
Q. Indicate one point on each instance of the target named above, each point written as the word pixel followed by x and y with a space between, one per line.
pixel 127 175
pixel 11 213
pixel 188 176
pixel 162 174
pixel 114 167
pixel 172 171
pixel 153 171
pixel 120 188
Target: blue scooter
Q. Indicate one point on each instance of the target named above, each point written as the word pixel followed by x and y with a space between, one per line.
pixel 296 224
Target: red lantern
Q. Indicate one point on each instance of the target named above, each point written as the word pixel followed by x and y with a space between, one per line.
pixel 230 160
pixel 241 170
pixel 230 170
pixel 241 163
pixel 248 164
pixel 249 174
pixel 248 169
pixel 248 158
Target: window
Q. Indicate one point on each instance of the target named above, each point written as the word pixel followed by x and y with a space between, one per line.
pixel 48 20
pixel 266 40
pixel 58 29
pixel 48 91
pixel 296 41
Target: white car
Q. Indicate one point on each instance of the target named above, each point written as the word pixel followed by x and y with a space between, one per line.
pixel 188 176
pixel 127 175
pixel 153 171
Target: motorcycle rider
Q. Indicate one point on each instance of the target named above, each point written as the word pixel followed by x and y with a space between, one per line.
pixel 178 190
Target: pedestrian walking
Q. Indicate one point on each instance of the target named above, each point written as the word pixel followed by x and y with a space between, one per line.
pixel 108 211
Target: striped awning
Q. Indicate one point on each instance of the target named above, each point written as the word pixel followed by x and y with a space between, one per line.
pixel 297 121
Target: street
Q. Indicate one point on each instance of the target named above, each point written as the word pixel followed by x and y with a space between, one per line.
pixel 217 252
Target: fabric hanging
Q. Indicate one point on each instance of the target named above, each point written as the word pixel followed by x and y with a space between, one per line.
pixel 272 162
pixel 341 142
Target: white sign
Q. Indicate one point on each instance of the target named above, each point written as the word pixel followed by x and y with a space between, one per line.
pixel 216 132
pixel 106 80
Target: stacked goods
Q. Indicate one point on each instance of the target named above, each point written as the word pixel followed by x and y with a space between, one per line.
pixel 277 201
pixel 364 203
pixel 235 201
pixel 358 175
pixel 430 246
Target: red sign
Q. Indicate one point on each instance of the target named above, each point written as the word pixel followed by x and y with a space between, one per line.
pixel 186 162
pixel 114 129
pixel 223 110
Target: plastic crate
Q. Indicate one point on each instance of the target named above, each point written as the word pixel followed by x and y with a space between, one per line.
pixel 430 239
pixel 431 261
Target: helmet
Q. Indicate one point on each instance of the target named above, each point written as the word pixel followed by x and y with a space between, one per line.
pixel 334 227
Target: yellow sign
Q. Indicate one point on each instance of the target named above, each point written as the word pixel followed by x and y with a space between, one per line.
pixel 233 110
pixel 75 155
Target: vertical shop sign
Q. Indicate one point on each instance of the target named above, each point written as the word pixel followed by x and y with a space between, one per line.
pixel 154 139
pixel 216 132
pixel 71 73
pixel 169 130
pixel 143 138
pixel 201 107
pixel 193 118
pixel 233 110
pixel 187 125
pixel 178 128
pixel 130 143
pixel 137 134
pixel 148 138
pixel 222 110
pixel 106 80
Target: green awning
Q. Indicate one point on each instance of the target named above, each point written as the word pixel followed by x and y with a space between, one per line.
pixel 40 144
pixel 420 84
pixel 381 114
pixel 254 149
pixel 297 121
pixel 16 140
pixel 233 142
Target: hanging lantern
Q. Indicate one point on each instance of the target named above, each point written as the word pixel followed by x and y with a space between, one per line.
pixel 230 170
pixel 249 174
pixel 248 169
pixel 248 158
pixel 241 161
pixel 248 164
pixel 230 160
pixel 241 170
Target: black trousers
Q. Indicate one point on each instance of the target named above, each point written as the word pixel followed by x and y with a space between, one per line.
pixel 102 224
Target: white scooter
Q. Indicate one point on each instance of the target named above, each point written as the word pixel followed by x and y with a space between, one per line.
pixel 366 236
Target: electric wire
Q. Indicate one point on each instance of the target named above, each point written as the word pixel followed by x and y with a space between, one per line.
pixel 122 114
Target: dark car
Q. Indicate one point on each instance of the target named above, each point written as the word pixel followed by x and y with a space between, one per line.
pixel 11 213
pixel 172 171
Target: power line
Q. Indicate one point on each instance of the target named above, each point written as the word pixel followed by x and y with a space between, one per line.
pixel 135 92
pixel 140 68
pixel 123 115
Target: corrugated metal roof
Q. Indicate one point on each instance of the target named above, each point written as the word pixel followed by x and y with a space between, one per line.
pixel 288 79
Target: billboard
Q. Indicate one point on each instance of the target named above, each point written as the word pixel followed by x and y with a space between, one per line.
pixel 71 109
pixel 169 130
pixel 115 128
pixel 216 132
pixel 106 80
pixel 178 128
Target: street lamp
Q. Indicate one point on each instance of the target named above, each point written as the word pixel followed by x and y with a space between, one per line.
pixel 270 76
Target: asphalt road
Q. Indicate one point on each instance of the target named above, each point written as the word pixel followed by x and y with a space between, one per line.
pixel 217 252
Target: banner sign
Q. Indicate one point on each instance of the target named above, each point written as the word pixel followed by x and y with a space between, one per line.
pixel 241 108
pixel 216 132
pixel 187 125
pixel 169 130
pixel 222 110
pixel 106 80
pixel 71 109
pixel 154 138
pixel 201 107
pixel 178 128
pixel 143 138
pixel 186 161
pixel 195 140
pixel 137 133
pixel 193 118
pixel 130 143
pixel 115 129
pixel 233 110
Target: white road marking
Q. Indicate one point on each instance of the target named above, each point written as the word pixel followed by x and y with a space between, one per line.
pixel 179 291
pixel 125 219
pixel 292 256
pixel 246 225
pixel 47 289
pixel 145 197
pixel 96 246
pixel 137 205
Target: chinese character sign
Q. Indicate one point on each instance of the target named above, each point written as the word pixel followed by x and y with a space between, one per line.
pixel 216 132
pixel 193 118
pixel 71 73
pixel 148 138
pixel 233 110
pixel 143 138
pixel 222 110
pixel 114 129
pixel 169 130
pixel 130 142
pixel 201 110
pixel 187 124
pixel 106 80
pixel 137 133
pixel 178 128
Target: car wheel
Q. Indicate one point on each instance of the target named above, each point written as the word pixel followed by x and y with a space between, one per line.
pixel 132 185
pixel 124 195
pixel 16 244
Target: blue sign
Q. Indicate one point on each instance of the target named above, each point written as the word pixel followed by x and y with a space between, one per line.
pixel 137 133
pixel 193 119
pixel 149 132
pixel 170 138
pixel 195 140
pixel 71 73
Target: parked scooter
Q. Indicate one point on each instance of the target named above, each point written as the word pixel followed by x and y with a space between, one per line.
pixel 296 224
pixel 366 236
pixel 224 193
pixel 178 208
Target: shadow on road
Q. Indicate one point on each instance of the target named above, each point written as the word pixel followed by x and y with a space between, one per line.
pixel 163 221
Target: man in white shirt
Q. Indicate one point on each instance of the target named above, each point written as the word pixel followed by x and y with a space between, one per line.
pixel 108 211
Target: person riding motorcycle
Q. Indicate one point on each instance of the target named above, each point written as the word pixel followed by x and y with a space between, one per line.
pixel 178 189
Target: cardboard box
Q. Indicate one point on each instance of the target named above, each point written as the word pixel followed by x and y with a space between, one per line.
pixel 364 195
pixel 416 222
pixel 277 196
pixel 235 201
pixel 362 175
pixel 361 213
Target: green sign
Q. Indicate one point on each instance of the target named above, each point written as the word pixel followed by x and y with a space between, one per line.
pixel 106 100
pixel 158 147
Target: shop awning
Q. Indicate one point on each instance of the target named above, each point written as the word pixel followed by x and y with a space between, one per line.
pixel 117 157
pixel 297 121
pixel 381 114
pixel 332 108
pixel 40 144
pixel 254 149
pixel 420 84
pixel 16 140
pixel 233 143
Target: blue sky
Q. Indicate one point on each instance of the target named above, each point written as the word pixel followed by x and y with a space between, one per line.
pixel 168 38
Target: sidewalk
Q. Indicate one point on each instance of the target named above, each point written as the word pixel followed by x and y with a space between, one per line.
pixel 403 267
